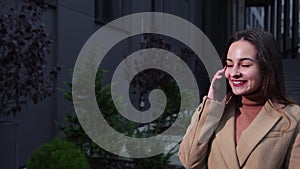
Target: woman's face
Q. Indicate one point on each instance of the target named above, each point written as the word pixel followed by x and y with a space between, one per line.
pixel 242 70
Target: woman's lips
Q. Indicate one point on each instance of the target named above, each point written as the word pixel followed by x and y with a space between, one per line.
pixel 238 83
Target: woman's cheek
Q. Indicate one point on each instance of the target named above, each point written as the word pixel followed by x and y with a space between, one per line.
pixel 226 75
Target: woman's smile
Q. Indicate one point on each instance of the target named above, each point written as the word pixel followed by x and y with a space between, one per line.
pixel 238 83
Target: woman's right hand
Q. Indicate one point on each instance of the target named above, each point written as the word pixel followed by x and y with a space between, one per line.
pixel 216 84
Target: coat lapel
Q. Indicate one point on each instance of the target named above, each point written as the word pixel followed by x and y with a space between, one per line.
pixel 225 136
pixel 257 129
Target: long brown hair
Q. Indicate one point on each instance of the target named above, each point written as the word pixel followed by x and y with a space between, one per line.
pixel 270 62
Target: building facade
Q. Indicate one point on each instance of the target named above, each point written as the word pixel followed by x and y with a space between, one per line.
pixel 72 22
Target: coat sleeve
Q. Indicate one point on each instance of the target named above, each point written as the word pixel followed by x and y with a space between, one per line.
pixel 193 149
pixel 293 157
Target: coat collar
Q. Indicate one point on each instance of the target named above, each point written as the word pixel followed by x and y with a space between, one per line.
pixel 225 130
pixel 236 155
pixel 255 132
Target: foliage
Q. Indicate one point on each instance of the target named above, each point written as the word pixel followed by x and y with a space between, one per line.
pixel 75 133
pixel 24 43
pixel 150 79
pixel 57 154
pixel 161 161
pixel 147 80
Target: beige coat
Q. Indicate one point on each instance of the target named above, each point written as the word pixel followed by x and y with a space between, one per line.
pixel 269 142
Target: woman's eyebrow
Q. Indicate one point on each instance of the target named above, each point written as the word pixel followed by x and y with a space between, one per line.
pixel 242 59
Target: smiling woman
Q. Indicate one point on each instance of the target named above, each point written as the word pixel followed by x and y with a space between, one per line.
pixel 255 125
pixel 242 69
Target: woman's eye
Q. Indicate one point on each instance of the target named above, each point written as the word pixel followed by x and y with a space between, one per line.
pixel 246 65
pixel 229 65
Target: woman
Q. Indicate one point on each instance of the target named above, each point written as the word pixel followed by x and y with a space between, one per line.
pixel 257 126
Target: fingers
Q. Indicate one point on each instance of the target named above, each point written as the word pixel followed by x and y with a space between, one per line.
pixel 216 83
pixel 222 71
pixel 219 75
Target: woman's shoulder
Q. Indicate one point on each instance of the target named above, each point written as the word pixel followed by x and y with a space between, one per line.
pixel 293 111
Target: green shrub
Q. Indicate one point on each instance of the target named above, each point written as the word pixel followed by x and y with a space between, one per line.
pixel 73 131
pixel 57 154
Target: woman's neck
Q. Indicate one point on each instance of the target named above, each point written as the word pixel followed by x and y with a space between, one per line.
pixel 250 106
pixel 253 99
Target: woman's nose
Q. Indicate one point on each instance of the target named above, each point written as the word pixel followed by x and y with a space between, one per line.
pixel 235 72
